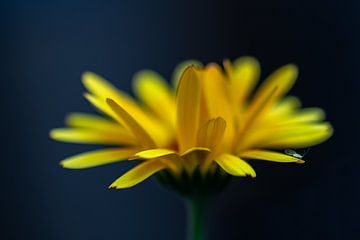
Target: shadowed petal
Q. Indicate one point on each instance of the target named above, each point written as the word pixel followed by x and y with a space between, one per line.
pixel 210 136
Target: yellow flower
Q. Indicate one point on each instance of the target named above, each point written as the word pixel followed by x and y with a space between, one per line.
pixel 212 124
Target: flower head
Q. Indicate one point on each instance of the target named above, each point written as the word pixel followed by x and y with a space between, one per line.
pixel 210 125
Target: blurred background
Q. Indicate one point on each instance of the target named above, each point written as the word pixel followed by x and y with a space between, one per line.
pixel 46 45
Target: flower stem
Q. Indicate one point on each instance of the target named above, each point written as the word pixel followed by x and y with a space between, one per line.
pixel 196 218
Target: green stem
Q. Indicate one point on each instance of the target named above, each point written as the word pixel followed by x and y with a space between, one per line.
pixel 196 218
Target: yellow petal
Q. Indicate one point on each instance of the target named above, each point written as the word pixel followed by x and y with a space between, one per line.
pixel 211 133
pixel 100 105
pixel 130 123
pixel 153 153
pixel 98 157
pixel 99 87
pixel 188 98
pixel 101 90
pixel 138 174
pixel 235 165
pixel 90 121
pixel 216 91
pixel 304 116
pixel 269 156
pixel 180 68
pixel 254 114
pixel 284 107
pixel 243 74
pixel 193 157
pixel 286 136
pixel 299 141
pixel 297 136
pixel 153 90
pixel 273 88
pixel 91 136
pixel 210 136
pixel 282 79
pixel 169 157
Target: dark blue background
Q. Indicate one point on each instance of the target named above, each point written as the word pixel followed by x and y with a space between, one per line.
pixel 46 45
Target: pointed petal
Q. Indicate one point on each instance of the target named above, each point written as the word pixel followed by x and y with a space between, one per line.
pixel 180 68
pixel 138 174
pixel 269 156
pixel 235 165
pixel 98 157
pixel 153 153
pixel 188 98
pixel 91 136
pixel 130 123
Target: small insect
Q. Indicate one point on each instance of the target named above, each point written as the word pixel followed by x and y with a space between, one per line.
pixel 292 153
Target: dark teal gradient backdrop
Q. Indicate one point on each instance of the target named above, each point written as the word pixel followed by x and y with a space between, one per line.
pixel 46 45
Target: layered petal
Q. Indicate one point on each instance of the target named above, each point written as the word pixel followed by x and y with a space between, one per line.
pixel 100 90
pixel 100 105
pixel 169 157
pixel 243 74
pixel 272 89
pixel 132 125
pixel 210 136
pixel 282 79
pixel 161 100
pixel 138 174
pixel 216 92
pixel 194 157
